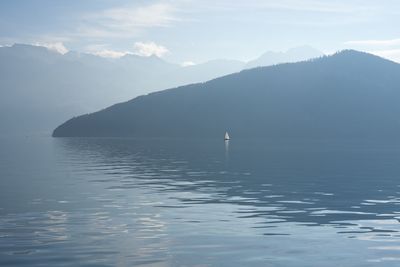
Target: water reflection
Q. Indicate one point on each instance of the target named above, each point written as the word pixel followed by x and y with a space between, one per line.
pixel 227 150
pixel 318 183
pixel 201 202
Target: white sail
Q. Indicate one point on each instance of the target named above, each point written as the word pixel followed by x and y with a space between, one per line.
pixel 226 136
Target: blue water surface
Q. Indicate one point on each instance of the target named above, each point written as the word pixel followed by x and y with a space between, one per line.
pixel 130 202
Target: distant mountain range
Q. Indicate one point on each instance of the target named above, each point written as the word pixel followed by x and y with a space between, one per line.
pixel 292 55
pixel 40 88
pixel 347 95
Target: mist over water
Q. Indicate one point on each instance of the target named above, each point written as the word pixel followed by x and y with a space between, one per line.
pixel 200 202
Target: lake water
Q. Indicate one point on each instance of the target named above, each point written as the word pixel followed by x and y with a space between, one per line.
pixel 127 202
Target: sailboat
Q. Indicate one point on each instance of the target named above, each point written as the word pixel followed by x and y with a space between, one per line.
pixel 226 136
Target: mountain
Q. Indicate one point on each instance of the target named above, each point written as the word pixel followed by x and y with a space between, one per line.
pixel 350 94
pixel 40 88
pixel 206 71
pixel 295 54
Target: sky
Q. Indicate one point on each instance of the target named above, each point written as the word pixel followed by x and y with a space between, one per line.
pixel 194 31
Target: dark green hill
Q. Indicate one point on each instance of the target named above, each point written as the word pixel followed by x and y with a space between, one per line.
pixel 349 94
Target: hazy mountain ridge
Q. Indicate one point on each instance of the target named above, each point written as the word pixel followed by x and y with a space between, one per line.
pixel 349 94
pixel 292 55
pixel 41 88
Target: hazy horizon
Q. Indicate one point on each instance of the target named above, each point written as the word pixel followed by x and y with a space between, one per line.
pixel 43 88
pixel 55 49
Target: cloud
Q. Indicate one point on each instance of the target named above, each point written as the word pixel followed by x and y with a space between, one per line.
pixel 144 49
pixel 102 50
pixel 57 47
pixel 125 22
pixel 149 48
pixel 187 63
pixel 389 42
pixel 110 53
pixel 156 15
